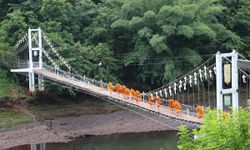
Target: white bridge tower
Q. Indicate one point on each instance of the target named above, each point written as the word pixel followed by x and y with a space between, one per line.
pixel 227 95
pixel 35 60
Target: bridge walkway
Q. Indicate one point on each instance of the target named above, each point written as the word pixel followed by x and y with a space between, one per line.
pixel 115 97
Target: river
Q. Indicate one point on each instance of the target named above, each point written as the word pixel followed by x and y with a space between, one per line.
pixel 166 140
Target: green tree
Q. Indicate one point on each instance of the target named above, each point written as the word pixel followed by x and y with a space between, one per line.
pixel 158 32
pixel 237 19
pixel 218 132
pixel 143 43
pixel 65 23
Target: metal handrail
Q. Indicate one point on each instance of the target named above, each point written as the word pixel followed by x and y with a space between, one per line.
pixel 186 109
pixel 75 77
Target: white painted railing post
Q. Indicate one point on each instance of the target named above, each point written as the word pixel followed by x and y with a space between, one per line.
pixel 143 96
pixel 84 78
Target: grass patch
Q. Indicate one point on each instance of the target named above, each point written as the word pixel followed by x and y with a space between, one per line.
pixel 9 86
pixel 83 106
pixel 11 117
pixel 6 88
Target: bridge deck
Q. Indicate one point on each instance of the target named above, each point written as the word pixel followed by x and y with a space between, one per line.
pixel 166 111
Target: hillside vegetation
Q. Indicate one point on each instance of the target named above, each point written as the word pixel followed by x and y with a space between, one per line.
pixel 143 43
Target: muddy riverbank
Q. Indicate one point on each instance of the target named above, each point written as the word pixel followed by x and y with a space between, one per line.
pixel 65 129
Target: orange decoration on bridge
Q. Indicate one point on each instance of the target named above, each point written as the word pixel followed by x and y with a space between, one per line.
pixel 118 88
pixel 159 102
pixel 171 103
pixel 110 87
pixel 151 99
pixel 127 92
pixel 137 95
pixel 200 112
pixel 124 89
pixel 133 94
pixel 177 106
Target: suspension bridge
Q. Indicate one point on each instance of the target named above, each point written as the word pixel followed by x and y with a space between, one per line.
pixel 223 81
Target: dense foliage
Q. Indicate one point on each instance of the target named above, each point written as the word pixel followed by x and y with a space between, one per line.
pixel 141 42
pixel 218 132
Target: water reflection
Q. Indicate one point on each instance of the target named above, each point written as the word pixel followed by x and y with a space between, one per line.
pixel 140 141
pixel 41 146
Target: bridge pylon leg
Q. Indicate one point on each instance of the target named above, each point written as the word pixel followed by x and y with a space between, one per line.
pixel 219 88
pixel 40 83
pixel 235 82
pixel 31 83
